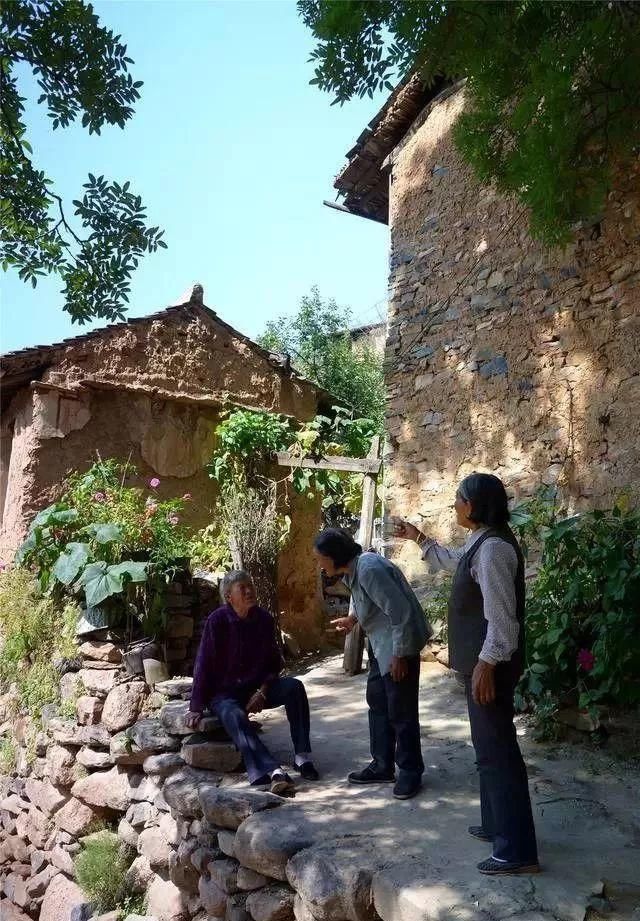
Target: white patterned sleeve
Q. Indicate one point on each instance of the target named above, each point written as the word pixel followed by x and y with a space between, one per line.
pixel 438 557
pixel 494 568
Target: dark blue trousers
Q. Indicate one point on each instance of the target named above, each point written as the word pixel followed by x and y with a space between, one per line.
pixel 394 724
pixel 283 692
pixel 504 789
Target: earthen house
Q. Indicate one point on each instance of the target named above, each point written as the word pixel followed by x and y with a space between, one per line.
pixel 501 355
pixel 150 390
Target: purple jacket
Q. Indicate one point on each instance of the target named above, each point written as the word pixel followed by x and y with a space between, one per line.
pixel 234 655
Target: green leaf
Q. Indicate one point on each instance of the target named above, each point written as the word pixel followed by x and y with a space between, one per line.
pixel 137 572
pixel 104 533
pixel 99 582
pixel 70 562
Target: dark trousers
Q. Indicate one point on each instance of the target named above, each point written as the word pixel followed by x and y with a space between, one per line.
pixel 504 790
pixel 283 692
pixel 394 724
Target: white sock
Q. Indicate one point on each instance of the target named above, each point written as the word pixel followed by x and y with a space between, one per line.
pixel 302 758
pixel 277 773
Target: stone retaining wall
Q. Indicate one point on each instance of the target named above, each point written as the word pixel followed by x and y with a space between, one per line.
pixel 208 846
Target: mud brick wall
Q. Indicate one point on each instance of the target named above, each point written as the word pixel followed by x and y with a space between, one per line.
pixel 503 355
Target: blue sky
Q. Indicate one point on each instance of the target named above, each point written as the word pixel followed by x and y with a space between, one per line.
pixel 233 153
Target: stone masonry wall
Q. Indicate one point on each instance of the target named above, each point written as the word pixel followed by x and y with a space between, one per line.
pixel 502 355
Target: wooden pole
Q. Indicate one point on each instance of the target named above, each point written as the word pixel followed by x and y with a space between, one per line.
pixel 354 642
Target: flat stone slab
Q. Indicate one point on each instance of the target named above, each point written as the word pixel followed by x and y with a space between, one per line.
pixel 172 717
pixel 265 842
pixel 175 687
pixel 150 736
pixel 213 756
pixel 228 807
pixel 183 789
pixel 67 732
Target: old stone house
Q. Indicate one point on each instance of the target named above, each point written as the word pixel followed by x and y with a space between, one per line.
pixel 501 355
pixel 151 390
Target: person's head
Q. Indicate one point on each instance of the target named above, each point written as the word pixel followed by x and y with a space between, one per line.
pixel 481 500
pixel 238 590
pixel 334 549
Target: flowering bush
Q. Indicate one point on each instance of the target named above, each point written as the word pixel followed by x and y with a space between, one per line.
pixel 583 611
pixel 103 537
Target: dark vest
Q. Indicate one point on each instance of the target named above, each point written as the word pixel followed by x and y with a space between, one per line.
pixel 467 625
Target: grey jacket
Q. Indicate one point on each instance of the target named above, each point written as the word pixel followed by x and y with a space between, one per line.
pixel 387 609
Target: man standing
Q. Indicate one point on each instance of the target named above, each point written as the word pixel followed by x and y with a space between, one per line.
pixel 237 672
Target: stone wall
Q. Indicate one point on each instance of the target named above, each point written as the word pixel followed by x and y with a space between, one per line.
pixel 502 355
pixel 203 845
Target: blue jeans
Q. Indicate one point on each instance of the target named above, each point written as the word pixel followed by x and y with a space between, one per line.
pixel 394 724
pixel 505 804
pixel 283 692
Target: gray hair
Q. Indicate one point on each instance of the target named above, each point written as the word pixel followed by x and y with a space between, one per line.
pixel 232 578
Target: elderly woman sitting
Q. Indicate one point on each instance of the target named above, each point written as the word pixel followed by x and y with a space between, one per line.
pixel 237 672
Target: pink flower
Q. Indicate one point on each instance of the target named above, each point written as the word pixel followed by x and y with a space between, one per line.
pixel 3 566
pixel 187 497
pixel 586 660
pixel 173 519
pixel 154 482
pixel 98 497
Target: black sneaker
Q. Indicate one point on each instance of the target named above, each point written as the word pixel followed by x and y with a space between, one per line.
pixel 493 867
pixel 307 770
pixel 369 775
pixel 477 831
pixel 282 785
pixel 407 787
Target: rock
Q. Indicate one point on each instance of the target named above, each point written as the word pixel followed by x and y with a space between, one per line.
pixel 182 789
pixel 335 879
pixel 101 652
pixel 248 880
pixel 88 710
pixel 165 901
pixel 180 626
pixel 443 657
pixel 128 833
pixel 175 687
pixel 139 875
pixel 213 898
pixel 274 903
pixel 37 885
pixel 98 682
pixel 181 871
pixel 150 736
pixel 67 732
pixel 44 795
pixel 64 901
pixel 60 761
pixel 11 912
pixel 38 861
pixel 142 815
pixel 110 916
pixel 226 842
pixel 213 756
pixel 265 842
pixel 172 717
pixel 70 687
pixel 163 765
pixel 577 719
pixel 169 828
pixel 202 856
pixel 92 759
pixel 291 645
pixel 228 808
pixel 236 908
pixel 224 873
pixel 153 845
pixel 122 706
pixel 301 910
pixel 114 789
pixel 62 860
pixel 123 751
pixel 75 818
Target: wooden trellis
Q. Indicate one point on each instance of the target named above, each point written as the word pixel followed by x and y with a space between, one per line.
pixel 370 466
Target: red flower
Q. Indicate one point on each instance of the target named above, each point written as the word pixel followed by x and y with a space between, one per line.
pixel 586 660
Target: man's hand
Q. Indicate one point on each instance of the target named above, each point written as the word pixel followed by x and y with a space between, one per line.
pixel 191 719
pixel 406 530
pixel 344 624
pixel 399 668
pixel 483 683
pixel 256 702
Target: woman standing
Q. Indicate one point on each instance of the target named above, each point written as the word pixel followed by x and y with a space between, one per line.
pixel 486 645
pixel 391 616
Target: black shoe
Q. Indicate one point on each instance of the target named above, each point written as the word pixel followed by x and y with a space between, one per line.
pixel 263 781
pixel 369 775
pixel 477 831
pixel 493 867
pixel 307 770
pixel 282 785
pixel 407 787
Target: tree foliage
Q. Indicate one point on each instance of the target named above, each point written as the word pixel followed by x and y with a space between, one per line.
pixel 82 70
pixel 553 88
pixel 317 339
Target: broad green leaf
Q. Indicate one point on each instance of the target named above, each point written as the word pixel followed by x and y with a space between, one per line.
pixel 99 582
pixel 137 572
pixel 104 533
pixel 70 562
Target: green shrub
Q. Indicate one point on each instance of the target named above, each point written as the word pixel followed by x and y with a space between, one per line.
pixel 101 867
pixel 583 636
pixel 7 756
pixel 34 630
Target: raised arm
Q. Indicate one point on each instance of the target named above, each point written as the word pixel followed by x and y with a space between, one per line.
pixel 435 555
